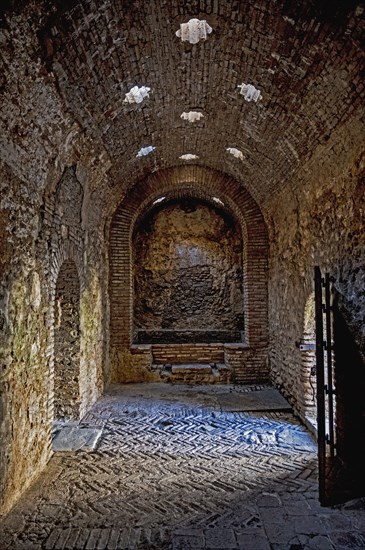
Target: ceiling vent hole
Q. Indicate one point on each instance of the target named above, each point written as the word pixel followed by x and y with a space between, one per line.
pixel 144 151
pixel 137 95
pixel 235 152
pixel 160 199
pixel 189 156
pixel 249 92
pixel 193 31
pixel 192 116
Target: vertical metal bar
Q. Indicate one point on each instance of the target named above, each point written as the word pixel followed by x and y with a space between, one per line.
pixel 321 418
pixel 329 365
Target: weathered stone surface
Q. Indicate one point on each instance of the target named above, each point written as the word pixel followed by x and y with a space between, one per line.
pixel 71 181
pixel 172 470
pixel 322 224
pixel 75 438
pixel 188 274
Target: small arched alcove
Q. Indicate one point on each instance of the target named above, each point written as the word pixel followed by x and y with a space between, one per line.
pixel 67 343
pixel 187 274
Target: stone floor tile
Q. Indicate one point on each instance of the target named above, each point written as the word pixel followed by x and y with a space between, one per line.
pixel 113 539
pixel 169 464
pixel 70 543
pixel 279 533
pixel 93 539
pixel 82 538
pixel 52 539
pixel 273 515
pixel 319 542
pixel 337 522
pixel 103 540
pixel 62 539
pixel 252 539
pixel 188 539
pixel 220 538
pixel 343 540
pixel 297 508
pixel 269 500
pixel 309 525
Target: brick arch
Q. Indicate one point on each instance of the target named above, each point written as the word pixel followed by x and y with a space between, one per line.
pixel 198 182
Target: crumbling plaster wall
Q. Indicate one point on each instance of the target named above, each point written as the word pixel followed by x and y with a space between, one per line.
pixel 321 222
pixel 38 140
pixel 188 275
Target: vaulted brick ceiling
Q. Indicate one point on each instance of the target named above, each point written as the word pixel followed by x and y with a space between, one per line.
pixel 304 56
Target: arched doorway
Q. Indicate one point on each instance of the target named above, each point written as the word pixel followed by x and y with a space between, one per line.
pixel 67 343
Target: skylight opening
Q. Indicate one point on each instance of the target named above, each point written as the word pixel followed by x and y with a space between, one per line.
pixel 137 95
pixel 249 92
pixel 235 152
pixel 188 156
pixel 192 116
pixel 144 151
pixel 193 31
pixel 159 200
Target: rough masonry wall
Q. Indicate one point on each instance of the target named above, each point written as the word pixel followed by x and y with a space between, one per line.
pixel 67 344
pixel 188 275
pixel 304 57
pixel 38 140
pixel 320 222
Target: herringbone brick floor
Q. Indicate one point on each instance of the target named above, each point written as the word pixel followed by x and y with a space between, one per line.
pixel 174 471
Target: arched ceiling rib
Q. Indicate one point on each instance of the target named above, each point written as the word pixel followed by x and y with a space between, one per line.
pixel 305 60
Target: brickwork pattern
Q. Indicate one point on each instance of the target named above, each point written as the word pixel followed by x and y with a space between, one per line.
pixel 187 353
pixel 64 73
pixel 288 51
pixel 173 471
pixel 200 183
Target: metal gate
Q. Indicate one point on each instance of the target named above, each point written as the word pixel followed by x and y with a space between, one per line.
pixel 340 452
pixel 325 383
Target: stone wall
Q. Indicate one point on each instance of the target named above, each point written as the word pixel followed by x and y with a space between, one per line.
pixel 188 283
pixel 67 344
pixel 49 172
pixel 320 222
pixel 200 184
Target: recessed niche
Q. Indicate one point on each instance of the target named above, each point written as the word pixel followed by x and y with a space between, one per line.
pixel 235 152
pixel 188 282
pixel 249 92
pixel 193 31
pixel 188 156
pixel 192 116
pixel 144 151
pixel 137 95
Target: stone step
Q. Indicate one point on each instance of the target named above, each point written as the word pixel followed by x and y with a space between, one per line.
pixel 191 369
pixel 195 373
pixel 183 354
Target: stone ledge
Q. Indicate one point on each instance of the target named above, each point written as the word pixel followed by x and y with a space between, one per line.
pixel 191 369
pixel 140 348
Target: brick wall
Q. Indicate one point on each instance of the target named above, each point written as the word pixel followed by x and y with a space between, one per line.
pixel 179 183
pixel 187 353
